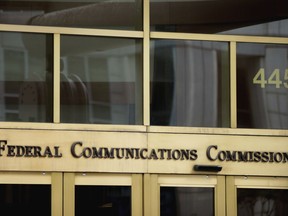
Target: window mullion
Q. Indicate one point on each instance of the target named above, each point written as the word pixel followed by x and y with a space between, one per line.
pixel 146 63
pixel 233 87
pixel 56 79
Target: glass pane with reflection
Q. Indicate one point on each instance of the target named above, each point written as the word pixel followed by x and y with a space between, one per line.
pixel 189 83
pixel 186 201
pixel 112 14
pixel 254 17
pixel 262 86
pixel 101 80
pixel 102 200
pixel 277 28
pixel 32 200
pixel 262 202
pixel 25 77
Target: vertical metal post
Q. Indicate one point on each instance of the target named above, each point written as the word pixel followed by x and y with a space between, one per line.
pixel 137 195
pixel 57 194
pixel 233 86
pixel 69 194
pixel 146 63
pixel 56 79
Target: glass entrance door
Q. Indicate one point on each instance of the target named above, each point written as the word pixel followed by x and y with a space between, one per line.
pixel 31 194
pixel 255 196
pixel 102 194
pixel 173 195
pixel 183 195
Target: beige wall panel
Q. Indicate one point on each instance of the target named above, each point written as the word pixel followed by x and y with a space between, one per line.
pixel 201 142
pixel 64 140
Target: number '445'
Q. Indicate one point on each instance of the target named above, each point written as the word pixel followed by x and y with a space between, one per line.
pixel 274 78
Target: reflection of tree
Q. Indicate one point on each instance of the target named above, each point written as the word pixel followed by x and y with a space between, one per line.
pixel 256 202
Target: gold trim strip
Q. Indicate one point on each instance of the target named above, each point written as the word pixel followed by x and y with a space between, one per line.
pixel 233 86
pixel 146 64
pixel 56 79
pixel 215 37
pixel 140 34
pixel 231 199
pixel 57 194
pixel 155 196
pixel 25 178
pixel 217 131
pixel 191 181
pixel 151 195
pixel 103 179
pixel 69 194
pixel 137 195
pixel 141 129
pixel 147 195
pixel 220 196
pixel 72 127
pixel 259 182
pixel 71 31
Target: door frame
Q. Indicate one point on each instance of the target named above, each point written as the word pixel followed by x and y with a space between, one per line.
pixel 153 182
pixel 73 179
pixel 39 178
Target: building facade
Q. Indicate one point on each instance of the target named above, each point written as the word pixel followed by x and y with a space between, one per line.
pixel 144 107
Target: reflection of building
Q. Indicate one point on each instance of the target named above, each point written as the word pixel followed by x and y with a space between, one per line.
pixel 192 80
pixel 268 91
pixel 143 108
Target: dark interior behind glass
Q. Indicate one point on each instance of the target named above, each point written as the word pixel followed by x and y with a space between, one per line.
pixel 103 200
pixel 83 14
pixel 20 199
pixel 246 17
pixel 186 201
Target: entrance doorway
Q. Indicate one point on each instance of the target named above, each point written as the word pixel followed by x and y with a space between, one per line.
pixel 31 193
pixel 201 195
pixel 184 195
pixel 257 196
pixel 103 194
pixel 80 194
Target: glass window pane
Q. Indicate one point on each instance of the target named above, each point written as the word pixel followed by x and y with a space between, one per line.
pixel 262 87
pixel 101 80
pixel 114 14
pixel 103 200
pixel 262 202
pixel 273 28
pixel 25 77
pixel 190 83
pixel 32 200
pixel 254 17
pixel 186 201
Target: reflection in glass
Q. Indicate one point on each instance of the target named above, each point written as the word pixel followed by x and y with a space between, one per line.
pixel 272 29
pixel 101 80
pixel 25 77
pixel 262 202
pixel 186 201
pixel 190 83
pixel 103 200
pixel 262 88
pixel 254 17
pixel 112 14
pixel 32 200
